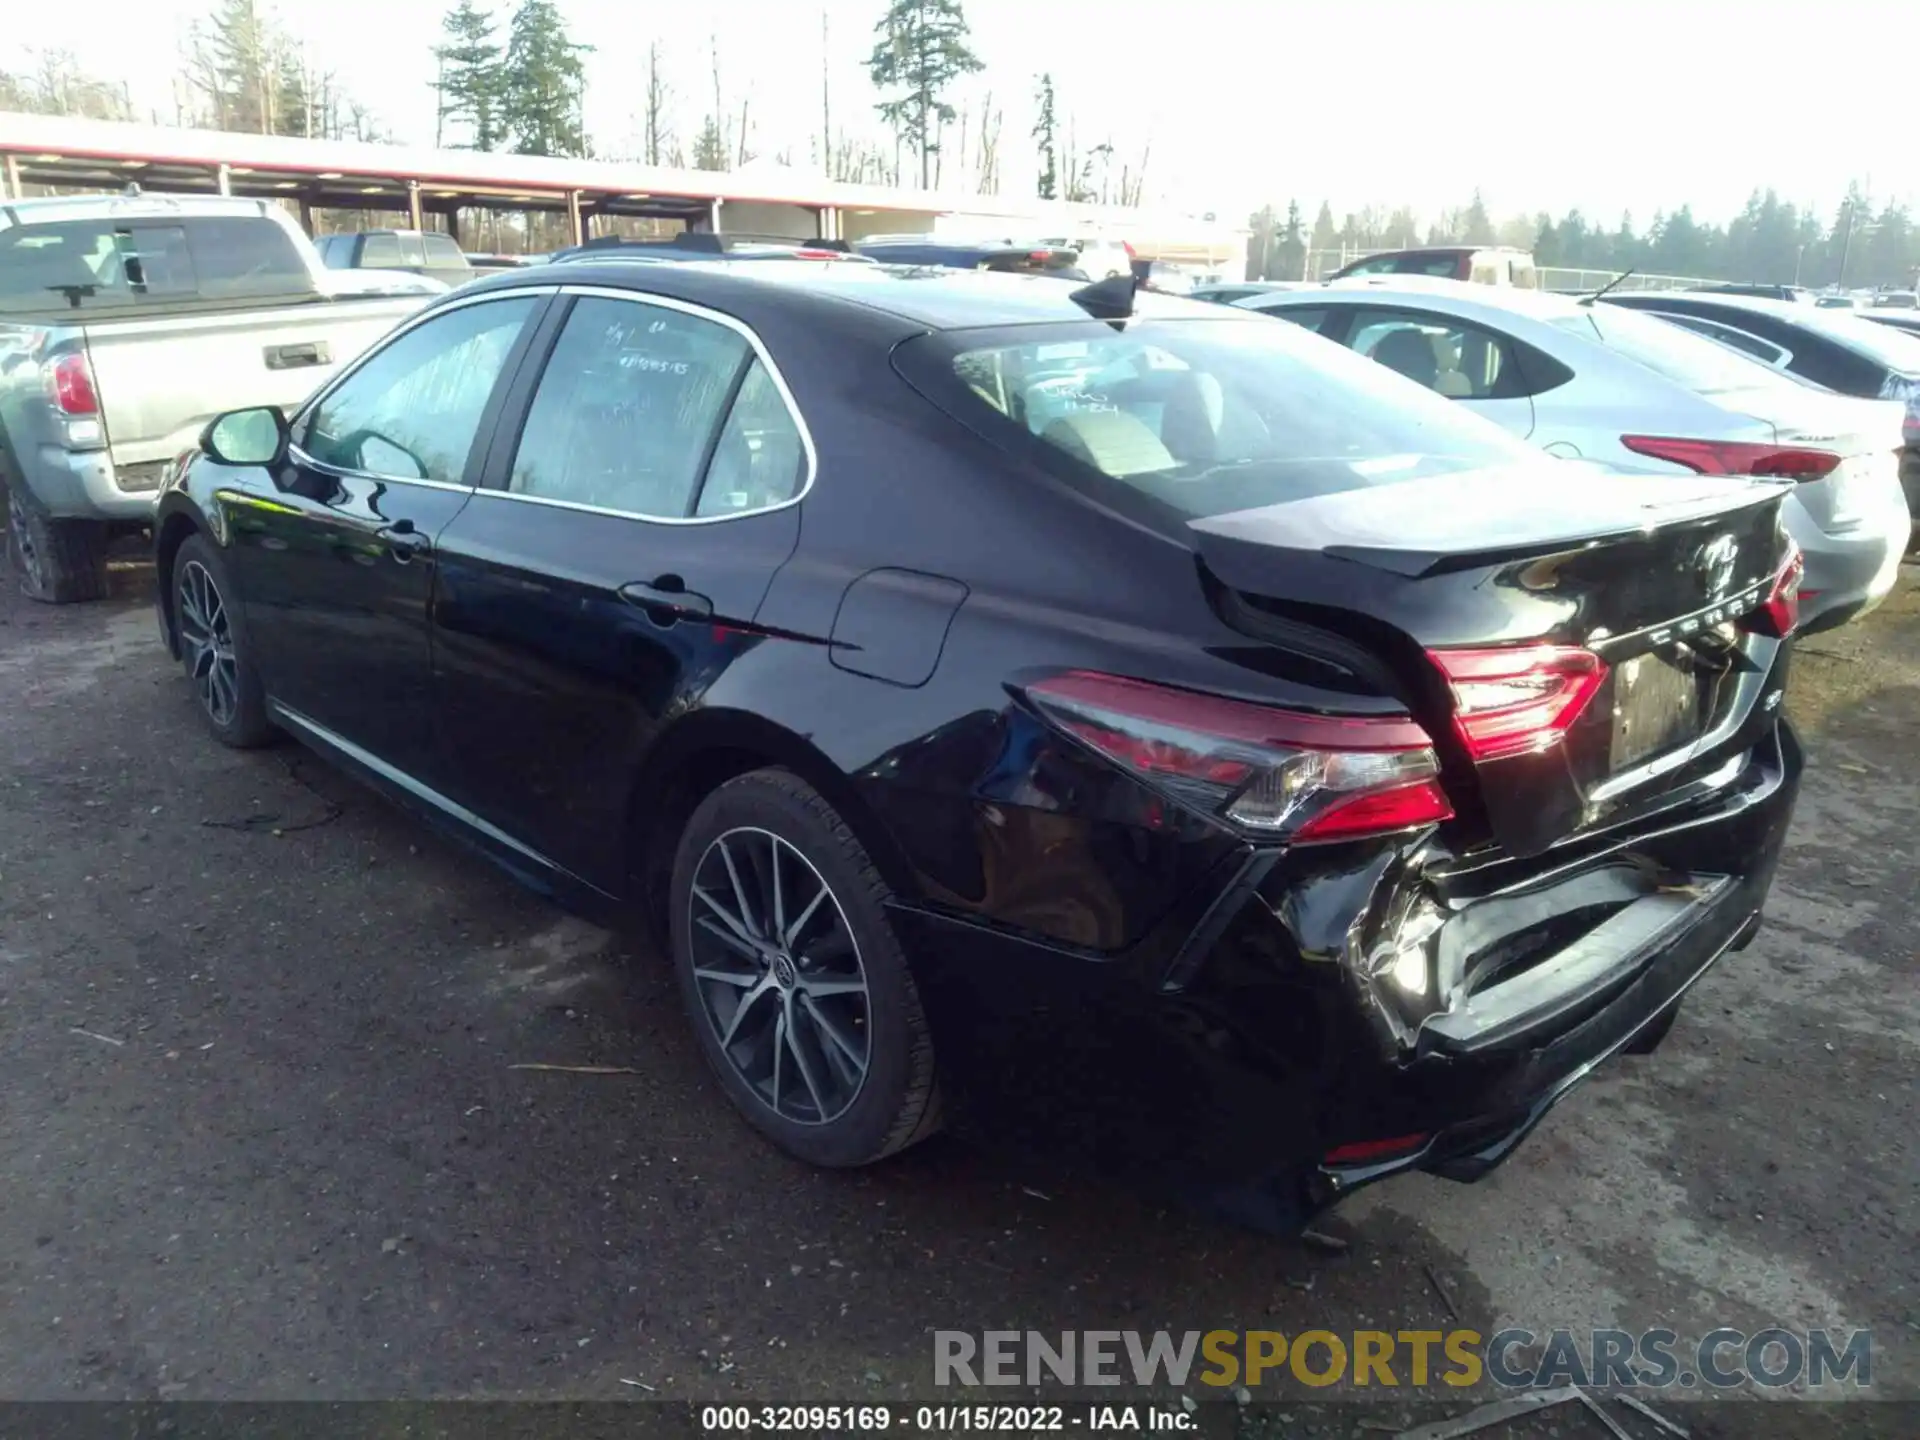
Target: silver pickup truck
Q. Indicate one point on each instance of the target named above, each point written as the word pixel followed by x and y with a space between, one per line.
pixel 126 323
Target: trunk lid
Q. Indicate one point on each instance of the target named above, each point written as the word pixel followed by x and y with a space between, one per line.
pixel 1649 573
pixel 1865 434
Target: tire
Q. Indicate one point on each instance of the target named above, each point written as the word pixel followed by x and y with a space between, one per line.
pixel 213 645
pixel 57 562
pixel 1648 1040
pixel 837 984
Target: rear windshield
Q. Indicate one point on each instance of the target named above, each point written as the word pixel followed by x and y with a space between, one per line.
pixel 1202 416
pixel 1693 362
pixel 106 264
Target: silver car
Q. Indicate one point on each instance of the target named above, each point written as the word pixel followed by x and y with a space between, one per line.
pixel 1600 383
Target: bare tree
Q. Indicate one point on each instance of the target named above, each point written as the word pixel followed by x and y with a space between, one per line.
pixel 659 95
pixel 745 154
pixel 826 100
pixel 987 169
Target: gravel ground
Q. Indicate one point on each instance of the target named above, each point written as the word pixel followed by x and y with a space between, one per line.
pixel 261 1137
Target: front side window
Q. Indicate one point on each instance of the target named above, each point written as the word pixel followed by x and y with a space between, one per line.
pixel 411 412
pixel 627 409
pixel 1201 416
pixel 1447 356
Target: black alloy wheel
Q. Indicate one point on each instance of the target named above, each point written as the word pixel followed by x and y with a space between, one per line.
pixel 793 978
pixel 213 648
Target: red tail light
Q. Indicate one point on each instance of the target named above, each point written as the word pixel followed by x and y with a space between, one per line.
pixel 1362 1151
pixel 1520 699
pixel 1779 614
pixel 69 385
pixel 1736 457
pixel 1275 772
pixel 807 253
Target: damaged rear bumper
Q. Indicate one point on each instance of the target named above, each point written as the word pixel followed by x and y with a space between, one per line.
pixel 1234 1062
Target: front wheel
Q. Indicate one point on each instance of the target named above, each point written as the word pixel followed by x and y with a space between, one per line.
pixel 214 649
pixel 794 979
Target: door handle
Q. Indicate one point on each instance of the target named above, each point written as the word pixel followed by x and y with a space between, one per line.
pixel 403 542
pixel 666 600
pixel 298 356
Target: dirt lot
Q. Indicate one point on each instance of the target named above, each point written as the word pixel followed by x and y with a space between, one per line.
pixel 260 1135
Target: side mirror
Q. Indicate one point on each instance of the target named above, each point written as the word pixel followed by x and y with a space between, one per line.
pixel 247 437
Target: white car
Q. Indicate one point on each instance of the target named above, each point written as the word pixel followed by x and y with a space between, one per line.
pixel 1635 392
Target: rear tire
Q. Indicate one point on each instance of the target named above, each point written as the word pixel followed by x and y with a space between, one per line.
pixel 793 978
pixel 214 650
pixel 57 562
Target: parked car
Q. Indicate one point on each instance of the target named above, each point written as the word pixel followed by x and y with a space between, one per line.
pixel 1019 257
pixel 1896 300
pixel 1586 382
pixel 1902 322
pixel 1837 302
pixel 126 323
pixel 1096 258
pixel 339 283
pixel 1845 353
pixel 1179 741
pixel 492 264
pixel 1477 264
pixel 418 252
pixel 704 245
pixel 1227 292
pixel 1762 292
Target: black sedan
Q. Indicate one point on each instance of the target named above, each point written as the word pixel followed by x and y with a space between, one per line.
pixel 1122 726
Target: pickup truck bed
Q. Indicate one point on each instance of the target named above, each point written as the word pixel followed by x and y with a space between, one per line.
pixel 125 326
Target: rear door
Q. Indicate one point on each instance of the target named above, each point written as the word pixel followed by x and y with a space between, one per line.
pixel 1479 367
pixel 639 498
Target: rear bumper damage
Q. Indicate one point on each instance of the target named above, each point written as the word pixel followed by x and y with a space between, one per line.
pixel 1240 1059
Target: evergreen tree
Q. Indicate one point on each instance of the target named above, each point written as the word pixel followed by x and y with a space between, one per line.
pixel 1290 255
pixel 542 79
pixel 1325 237
pixel 1044 136
pixel 922 50
pixel 710 147
pixel 1477 228
pixel 472 78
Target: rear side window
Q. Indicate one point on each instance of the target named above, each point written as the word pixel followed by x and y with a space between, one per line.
pixel 381 252
pixel 627 408
pixel 443 253
pixel 1198 417
pixel 1447 356
pixel 102 264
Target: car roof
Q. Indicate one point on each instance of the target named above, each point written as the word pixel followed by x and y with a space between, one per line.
pixel 927 297
pixel 1457 295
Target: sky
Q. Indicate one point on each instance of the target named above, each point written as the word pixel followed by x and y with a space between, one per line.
pixel 1632 106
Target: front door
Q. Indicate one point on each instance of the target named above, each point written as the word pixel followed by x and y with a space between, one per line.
pixel 609 571
pixel 336 558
